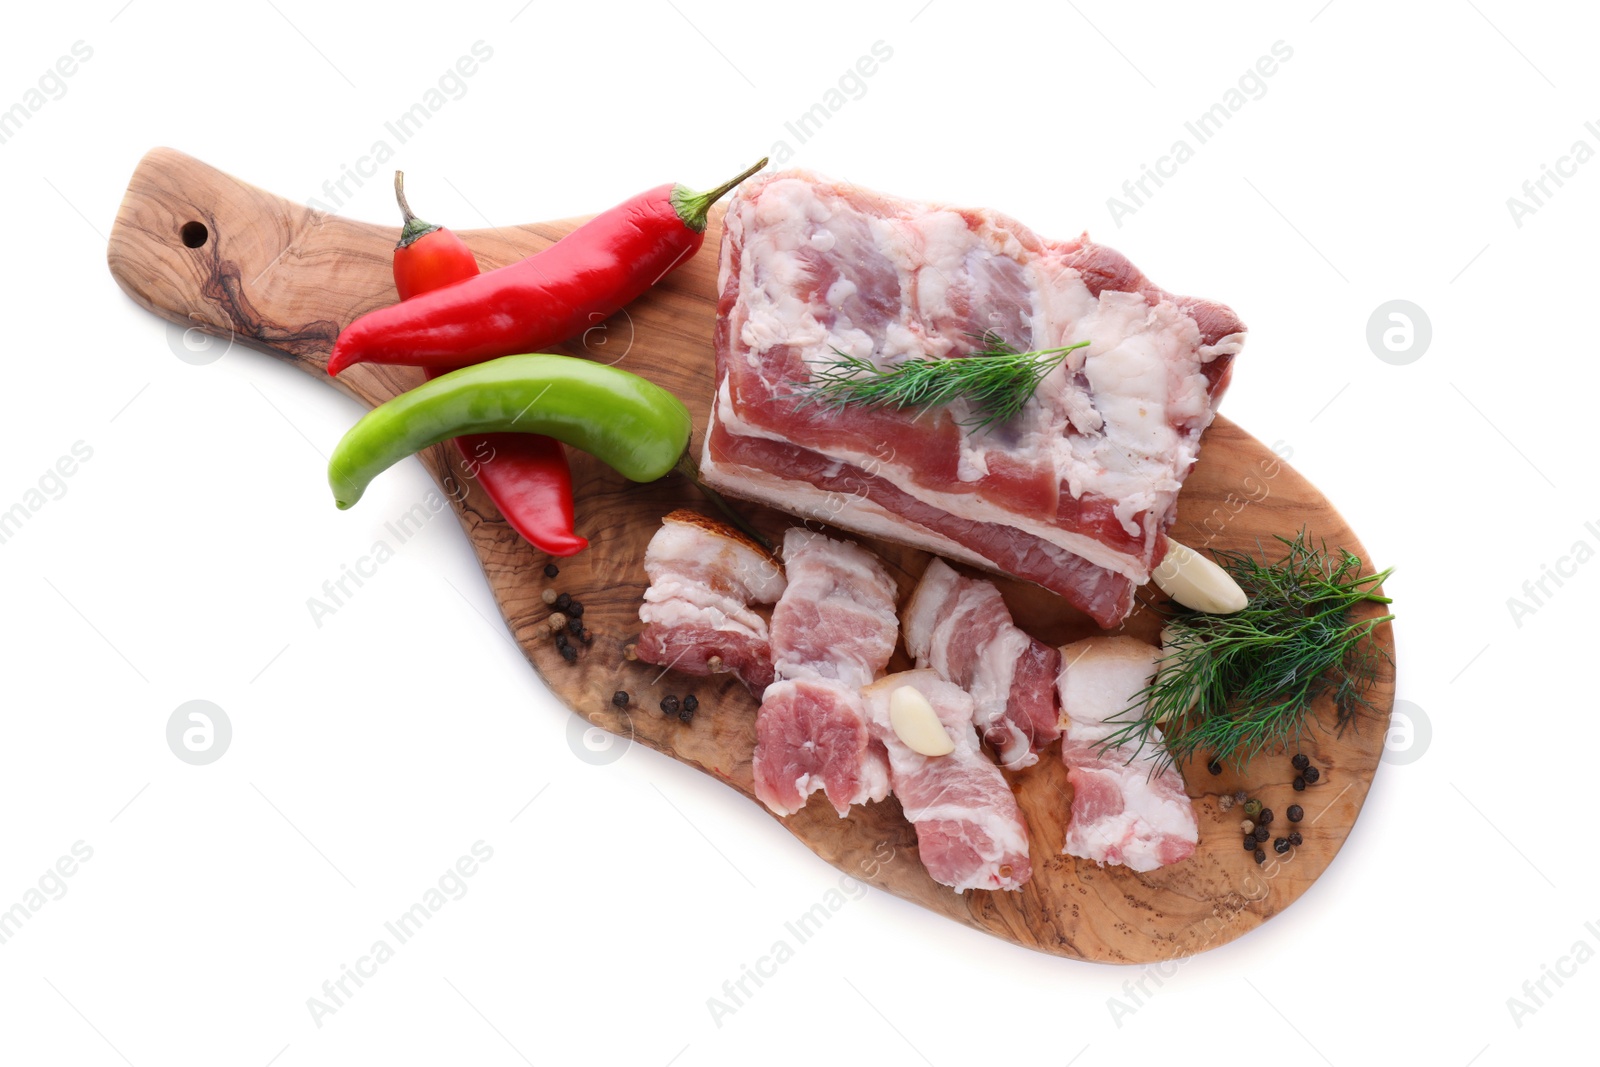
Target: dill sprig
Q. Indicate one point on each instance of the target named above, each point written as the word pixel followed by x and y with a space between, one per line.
pixel 995 379
pixel 1239 685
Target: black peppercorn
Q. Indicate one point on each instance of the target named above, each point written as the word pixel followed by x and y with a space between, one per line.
pixel 670 705
pixel 1265 818
pixel 563 601
pixel 1311 774
pixel 1280 845
pixel 1261 833
pixel 575 626
pixel 551 570
pixel 686 713
pixel 561 639
pixel 620 698
pixel 569 653
pixel 691 703
pixel 1215 766
pixel 1249 842
pixel 1261 857
pixel 1295 839
pixel 1299 784
pixel 1295 813
pixel 1300 761
pixel 575 609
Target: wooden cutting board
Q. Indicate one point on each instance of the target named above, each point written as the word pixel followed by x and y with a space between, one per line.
pixel 203 249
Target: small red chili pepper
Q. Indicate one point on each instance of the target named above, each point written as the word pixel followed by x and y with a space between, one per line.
pixel 525 474
pixel 428 257
pixel 579 281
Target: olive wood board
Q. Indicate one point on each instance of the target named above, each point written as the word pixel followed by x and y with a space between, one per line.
pixel 286 278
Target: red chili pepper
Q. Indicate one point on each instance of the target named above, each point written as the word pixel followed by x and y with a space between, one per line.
pixel 579 281
pixel 525 474
pixel 428 257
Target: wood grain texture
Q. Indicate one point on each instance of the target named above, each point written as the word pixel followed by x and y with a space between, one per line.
pixel 286 278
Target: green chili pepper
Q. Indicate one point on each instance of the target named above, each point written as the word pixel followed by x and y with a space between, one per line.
pixel 635 426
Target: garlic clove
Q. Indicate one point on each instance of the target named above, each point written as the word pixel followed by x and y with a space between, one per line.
pixel 916 723
pixel 1196 582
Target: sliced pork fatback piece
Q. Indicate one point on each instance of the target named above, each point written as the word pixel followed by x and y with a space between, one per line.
pixel 697 619
pixel 836 619
pixel 970 832
pixel 1122 813
pixel 833 631
pixel 1075 493
pixel 962 628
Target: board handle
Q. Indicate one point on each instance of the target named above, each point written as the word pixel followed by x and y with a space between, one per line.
pixel 205 250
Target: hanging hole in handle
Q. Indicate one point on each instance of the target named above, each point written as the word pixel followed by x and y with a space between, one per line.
pixel 194 234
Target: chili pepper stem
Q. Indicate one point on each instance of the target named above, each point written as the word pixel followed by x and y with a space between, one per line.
pixel 414 227
pixel 691 470
pixel 692 207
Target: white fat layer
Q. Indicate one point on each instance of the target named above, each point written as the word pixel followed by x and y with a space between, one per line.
pixel 673 602
pixel 1136 399
pixel 927 605
pixel 755 574
pixel 1100 677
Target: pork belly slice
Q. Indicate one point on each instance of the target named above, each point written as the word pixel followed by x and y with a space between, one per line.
pixel 961 628
pixel 697 618
pixel 970 832
pixel 1074 494
pixel 1123 810
pixel 833 631
pixel 836 619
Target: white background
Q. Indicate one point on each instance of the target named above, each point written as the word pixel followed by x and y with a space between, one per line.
pixel 369 754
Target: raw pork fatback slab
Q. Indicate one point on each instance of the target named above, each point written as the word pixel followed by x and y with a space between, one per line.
pixel 1075 493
